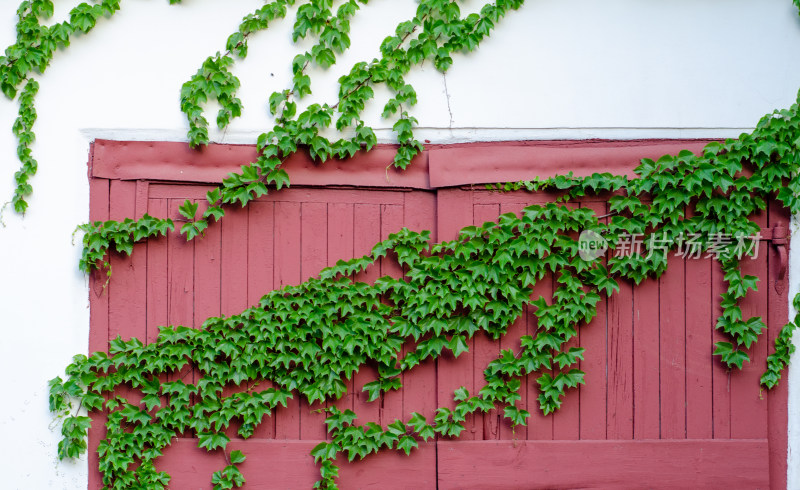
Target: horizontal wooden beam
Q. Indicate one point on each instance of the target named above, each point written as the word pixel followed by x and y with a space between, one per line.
pixel 288 464
pixel 436 167
pixel 697 463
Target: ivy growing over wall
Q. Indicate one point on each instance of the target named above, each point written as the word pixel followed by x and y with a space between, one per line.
pixel 307 339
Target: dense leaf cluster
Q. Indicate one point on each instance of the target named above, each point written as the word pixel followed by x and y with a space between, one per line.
pixel 309 339
pixel 699 200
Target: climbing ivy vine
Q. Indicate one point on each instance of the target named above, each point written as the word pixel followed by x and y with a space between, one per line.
pixel 308 339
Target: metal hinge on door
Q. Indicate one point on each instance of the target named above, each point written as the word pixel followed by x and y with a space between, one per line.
pixel 779 236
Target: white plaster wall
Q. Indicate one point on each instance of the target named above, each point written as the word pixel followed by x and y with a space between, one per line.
pixel 555 69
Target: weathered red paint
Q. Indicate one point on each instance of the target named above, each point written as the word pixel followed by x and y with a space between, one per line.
pixel 656 410
pixel 661 464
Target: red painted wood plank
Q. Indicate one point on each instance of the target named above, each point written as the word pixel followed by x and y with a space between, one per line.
pixel 314 250
pixel 128 160
pixel 288 464
pixel 157 282
pixel 313 258
pixel 593 417
pixel 260 278
pixel 720 375
pixel 454 211
pixel 295 194
pixel 127 295
pixel 645 361
pixel 419 386
pixel 778 397
pixel 452 165
pixel 98 322
pixel 748 406
pixel 340 232
pixel 287 272
pixel 207 273
pixel 699 325
pixel 340 247
pixel 392 222
pixel 260 251
pixel 233 289
pixel 419 212
pixel 566 420
pixel 392 469
pixel 620 363
pixel 511 340
pixel 604 464
pixel 142 195
pixel 486 349
pixel 438 165
pixel 672 349
pixel 513 198
pixel 540 427
pixel 180 285
pixel 366 233
pixel 98 312
pixel 207 286
pixel 180 273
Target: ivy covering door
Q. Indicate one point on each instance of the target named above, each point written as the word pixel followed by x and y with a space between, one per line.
pixel 656 409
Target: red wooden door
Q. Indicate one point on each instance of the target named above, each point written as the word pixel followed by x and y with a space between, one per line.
pixel 656 410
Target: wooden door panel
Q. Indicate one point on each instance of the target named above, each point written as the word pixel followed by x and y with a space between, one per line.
pixel 657 409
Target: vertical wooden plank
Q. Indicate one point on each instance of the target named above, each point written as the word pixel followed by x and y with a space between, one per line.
pixel 593 418
pixel 486 349
pixel 391 222
pixel 340 247
pixel 313 257
pixel 180 286
pixel 207 280
pixel 287 272
pixel 98 312
pixel 540 427
pixel 207 272
pixel 699 401
pixel 260 278
pixel 98 323
pixel 127 294
pixel 234 275
pixel 180 274
pixel 366 234
pixel 260 251
pixel 672 341
pixel 748 407
pixel 157 265
pixel 419 384
pixel 142 194
pixel 454 211
pixel 720 375
pixel 645 361
pixel 566 420
pixel 511 340
pixel 233 289
pixel 314 250
pixel 620 363
pixel 777 397
pixel 419 212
